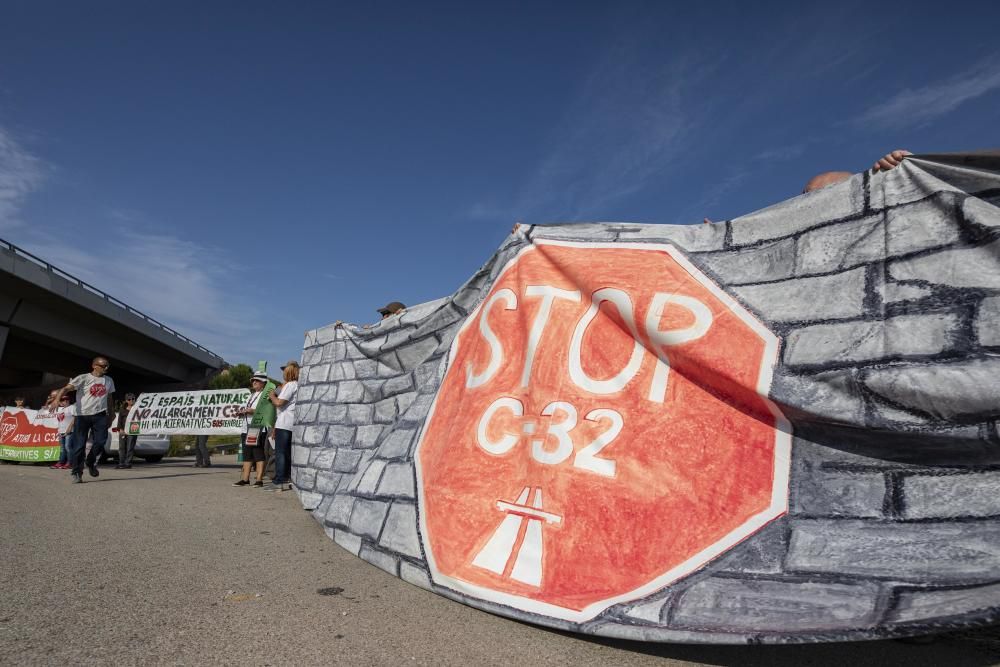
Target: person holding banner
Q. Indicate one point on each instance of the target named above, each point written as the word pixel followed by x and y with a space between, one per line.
pixel 203 458
pixel 51 406
pixel 258 417
pixel 126 442
pixel 94 405
pixel 284 402
pixel 67 412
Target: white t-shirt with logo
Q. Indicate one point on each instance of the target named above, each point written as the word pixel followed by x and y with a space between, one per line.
pixel 66 415
pixel 286 412
pixel 92 393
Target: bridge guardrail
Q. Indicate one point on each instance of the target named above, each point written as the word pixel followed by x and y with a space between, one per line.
pixel 21 252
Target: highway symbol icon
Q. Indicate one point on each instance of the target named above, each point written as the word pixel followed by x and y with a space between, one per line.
pixel 516 546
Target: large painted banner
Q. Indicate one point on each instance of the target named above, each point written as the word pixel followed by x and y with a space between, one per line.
pixel 207 412
pixel 29 435
pixel 777 428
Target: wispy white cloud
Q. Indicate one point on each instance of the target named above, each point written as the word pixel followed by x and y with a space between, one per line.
pixel 489 211
pixel 782 153
pixel 646 110
pixel 201 292
pixel 625 126
pixel 917 107
pixel 717 191
pixel 127 215
pixel 173 280
pixel 196 290
pixel 661 103
pixel 21 173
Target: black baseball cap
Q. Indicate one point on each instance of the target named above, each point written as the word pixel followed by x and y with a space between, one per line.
pixel 391 308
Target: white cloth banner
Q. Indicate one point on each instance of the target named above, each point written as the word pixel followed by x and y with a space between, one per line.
pixel 209 412
pixel 29 435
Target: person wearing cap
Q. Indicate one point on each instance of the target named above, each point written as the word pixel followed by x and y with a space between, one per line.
pixel 388 310
pixel 126 442
pixel 391 308
pixel 284 403
pixel 253 439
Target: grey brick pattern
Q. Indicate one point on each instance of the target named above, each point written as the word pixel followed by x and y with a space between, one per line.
pixel 885 293
pixel 364 394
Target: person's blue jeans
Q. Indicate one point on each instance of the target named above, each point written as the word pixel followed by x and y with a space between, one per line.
pixel 95 427
pixel 64 444
pixel 282 456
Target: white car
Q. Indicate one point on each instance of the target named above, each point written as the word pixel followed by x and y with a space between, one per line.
pixel 151 448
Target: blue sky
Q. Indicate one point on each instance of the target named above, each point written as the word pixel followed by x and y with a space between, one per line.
pixel 245 171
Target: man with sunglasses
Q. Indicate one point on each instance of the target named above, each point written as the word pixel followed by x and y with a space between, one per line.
pixel 94 406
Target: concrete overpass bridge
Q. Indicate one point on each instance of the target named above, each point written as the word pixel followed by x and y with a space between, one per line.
pixel 52 324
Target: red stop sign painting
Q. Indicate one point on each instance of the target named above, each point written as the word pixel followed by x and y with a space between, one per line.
pixel 602 430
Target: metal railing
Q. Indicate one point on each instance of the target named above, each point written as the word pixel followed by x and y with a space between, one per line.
pixel 21 252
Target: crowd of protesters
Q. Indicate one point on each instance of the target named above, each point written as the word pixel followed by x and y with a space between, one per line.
pixel 274 410
pixel 85 410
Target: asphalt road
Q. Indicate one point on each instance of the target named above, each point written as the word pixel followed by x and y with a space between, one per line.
pixel 170 564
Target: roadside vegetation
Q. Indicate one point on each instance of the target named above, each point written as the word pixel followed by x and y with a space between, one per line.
pixel 183 445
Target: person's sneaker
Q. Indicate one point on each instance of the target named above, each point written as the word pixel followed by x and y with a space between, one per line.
pixel 119 467
pixel 198 465
pixel 258 484
pixel 242 482
pixel 55 466
pixel 77 478
pixel 92 470
pixel 127 466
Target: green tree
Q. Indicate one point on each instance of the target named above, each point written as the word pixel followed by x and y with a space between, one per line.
pixel 234 377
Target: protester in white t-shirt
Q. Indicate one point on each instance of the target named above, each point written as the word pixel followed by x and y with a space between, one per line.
pixel 94 406
pixel 67 413
pixel 284 402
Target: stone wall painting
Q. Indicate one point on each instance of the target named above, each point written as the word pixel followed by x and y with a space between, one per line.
pixel 778 428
